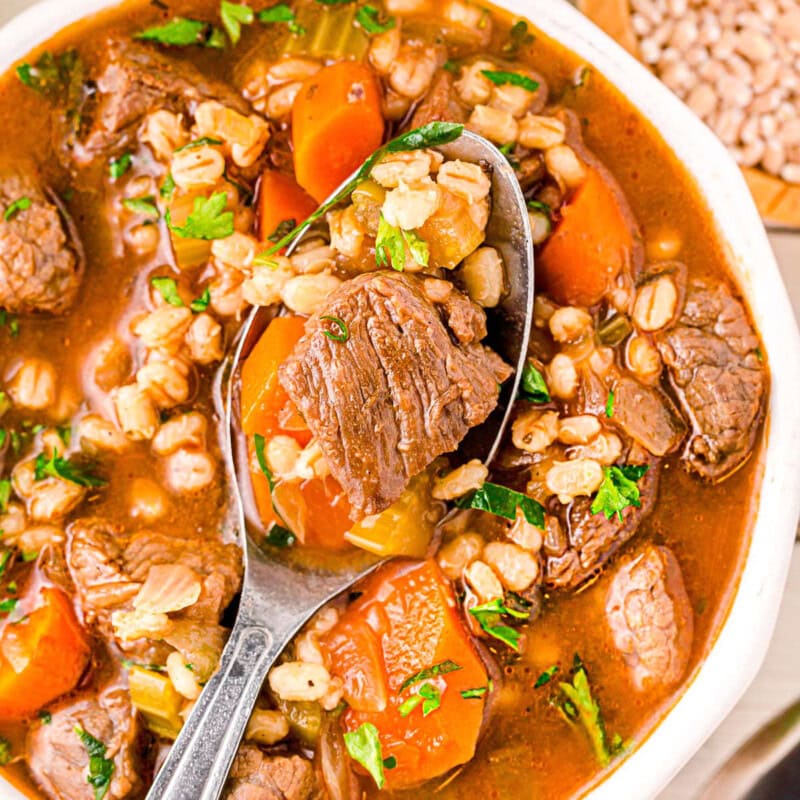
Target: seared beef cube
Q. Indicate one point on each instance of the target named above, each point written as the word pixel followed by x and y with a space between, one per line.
pixel 712 355
pixel 406 386
pixel 40 263
pixel 440 104
pixel 137 79
pixel 578 547
pixel 650 617
pixel 258 776
pixel 59 761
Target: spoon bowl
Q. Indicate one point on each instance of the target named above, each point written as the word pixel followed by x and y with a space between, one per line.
pixel 279 595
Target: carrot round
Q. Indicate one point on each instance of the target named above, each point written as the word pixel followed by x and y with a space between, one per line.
pixel 42 656
pixel 590 246
pixel 407 621
pixel 337 123
pixel 281 199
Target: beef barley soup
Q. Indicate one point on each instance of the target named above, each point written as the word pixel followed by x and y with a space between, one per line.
pixel 532 623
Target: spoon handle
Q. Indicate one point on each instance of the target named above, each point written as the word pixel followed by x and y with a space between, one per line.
pixel 198 763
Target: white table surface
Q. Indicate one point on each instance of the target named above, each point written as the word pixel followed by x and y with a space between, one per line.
pixel 778 683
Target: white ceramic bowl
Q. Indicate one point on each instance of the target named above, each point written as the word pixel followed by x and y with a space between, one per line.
pixel 742 643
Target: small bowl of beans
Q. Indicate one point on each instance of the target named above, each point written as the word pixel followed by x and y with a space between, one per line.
pixel 736 64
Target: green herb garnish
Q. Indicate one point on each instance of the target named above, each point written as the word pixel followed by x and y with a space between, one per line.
pixel 344 331
pixel 546 677
pixel 233 17
pixel 208 220
pixel 4 559
pixel 369 18
pixel 58 467
pixel 431 135
pixel 281 13
pixel 8 605
pixel 284 227
pixel 259 444
pixel 5 751
pixel 142 205
pixel 168 289
pixel 519 37
pixel 442 668
pixel 488 616
pixel 181 32
pixel 278 536
pixel 391 244
pixel 168 187
pixel 21 204
pixel 390 762
pixel 533 387
pixel 474 694
pixel 618 490
pixel 200 304
pixel 5 495
pixel 53 75
pixel 101 769
pixel 503 78
pixel 203 141
pixel 427 695
pixel 119 166
pixel 610 405
pixel 46 717
pixel 364 746
pixel 128 663
pixel 504 502
pixel 538 205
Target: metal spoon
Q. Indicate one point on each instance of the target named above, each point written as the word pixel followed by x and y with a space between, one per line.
pixel 278 596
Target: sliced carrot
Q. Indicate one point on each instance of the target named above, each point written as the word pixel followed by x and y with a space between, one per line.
pixel 406 621
pixel 281 199
pixel 337 123
pixel 42 656
pixel 590 246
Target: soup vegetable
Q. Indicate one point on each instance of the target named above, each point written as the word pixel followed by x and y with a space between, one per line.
pixel 531 624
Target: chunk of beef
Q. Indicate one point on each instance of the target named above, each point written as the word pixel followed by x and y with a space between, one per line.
pixel 58 759
pixel 650 617
pixel 40 258
pixel 136 79
pixel 440 104
pixel 407 385
pixel 582 543
pixel 712 357
pixel 258 776
pixel 108 567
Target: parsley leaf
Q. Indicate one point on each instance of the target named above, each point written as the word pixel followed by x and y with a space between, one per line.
pixel 5 751
pixel 119 166
pixel 364 746
pixel 369 18
pixel 488 616
pixel 538 205
pixel 442 668
pixel 142 205
pixel 168 187
pixel 101 769
pixel 260 447
pixel 392 241
pixel 179 32
pixel 22 204
pixel 46 717
pixel 344 331
pixel 8 605
pixel 4 559
pixel 284 227
pixel 504 502
pixel 233 17
pixel 618 490
pixel 519 37
pixel 53 75
pixel 200 304
pixel 58 467
pixel 610 405
pixel 474 694
pixel 168 289
pixel 428 695
pixel 503 78
pixel 203 141
pixel 5 495
pixel 281 13
pixel 546 677
pixel 533 387
pixel 208 220
pixel 278 536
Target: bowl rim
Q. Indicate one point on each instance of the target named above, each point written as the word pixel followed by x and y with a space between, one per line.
pixel 742 641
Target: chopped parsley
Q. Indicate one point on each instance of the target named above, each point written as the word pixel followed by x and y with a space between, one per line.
pixel 508 151
pixel 442 668
pixel 233 17
pixel 546 677
pixel 265 260
pixel 610 404
pixel 278 536
pixel 208 220
pixel 428 695
pixel 5 495
pixel 392 242
pixel 503 78
pixel 369 18
pixel 344 331
pixel 58 467
pixel 474 694
pixel 488 616
pixel 504 502
pixel 200 304
pixel 168 187
pixel 364 746
pixel 4 559
pixel 281 13
pixel 8 605
pixel 168 289
pixel 538 205
pixel 101 769
pixel 533 387
pixel 618 490
pixel 142 205
pixel 519 37
pixel 21 204
pixel 5 751
pixel 183 32
pixel 46 717
pixel 53 75
pixel 390 762
pixel 578 705
pixel 260 447
pixel 451 66
pixel 119 166
pixel 283 228
pixel 128 664
pixel 203 141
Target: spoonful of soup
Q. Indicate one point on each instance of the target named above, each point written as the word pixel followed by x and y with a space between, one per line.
pixel 393 350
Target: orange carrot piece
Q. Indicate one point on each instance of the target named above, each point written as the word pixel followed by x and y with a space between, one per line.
pixel 50 653
pixel 590 246
pixel 281 199
pixel 406 621
pixel 337 122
